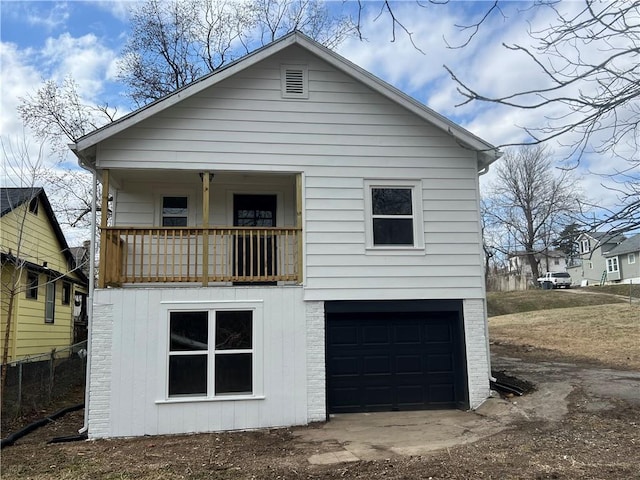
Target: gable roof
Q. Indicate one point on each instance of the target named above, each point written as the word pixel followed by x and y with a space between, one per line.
pixel 630 245
pixel 605 237
pixel 487 152
pixel 12 198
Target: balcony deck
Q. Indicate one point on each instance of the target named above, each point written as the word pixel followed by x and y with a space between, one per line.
pixel 131 255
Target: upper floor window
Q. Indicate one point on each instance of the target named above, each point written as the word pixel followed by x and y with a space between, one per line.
pixel 585 246
pixel 33 206
pixel 174 211
pixel 32 285
pixel 394 214
pixel 631 258
pixel 612 264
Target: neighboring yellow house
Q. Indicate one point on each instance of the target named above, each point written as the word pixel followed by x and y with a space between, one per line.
pixel 37 264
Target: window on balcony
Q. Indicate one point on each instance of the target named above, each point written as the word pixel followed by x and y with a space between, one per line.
pixel 212 352
pixel 174 211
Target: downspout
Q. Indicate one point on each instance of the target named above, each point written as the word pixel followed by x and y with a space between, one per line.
pixel 484 171
pixel 92 276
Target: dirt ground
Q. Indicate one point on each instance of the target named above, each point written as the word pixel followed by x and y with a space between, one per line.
pixel 597 438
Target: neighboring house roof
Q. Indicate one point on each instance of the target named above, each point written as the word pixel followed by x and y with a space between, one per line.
pixel 487 153
pixel 12 198
pixel 630 245
pixel 606 237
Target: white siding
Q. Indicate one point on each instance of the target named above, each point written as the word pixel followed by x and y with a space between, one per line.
pixel 129 364
pixel 341 135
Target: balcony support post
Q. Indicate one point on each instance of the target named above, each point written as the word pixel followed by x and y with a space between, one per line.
pixel 104 211
pixel 299 225
pixel 205 226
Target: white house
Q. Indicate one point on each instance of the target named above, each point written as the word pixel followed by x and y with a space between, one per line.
pixel 290 237
pixel 548 261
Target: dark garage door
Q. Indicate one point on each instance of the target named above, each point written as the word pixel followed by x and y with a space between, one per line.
pixel 394 360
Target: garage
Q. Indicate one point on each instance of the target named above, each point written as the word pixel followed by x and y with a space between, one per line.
pixel 395 355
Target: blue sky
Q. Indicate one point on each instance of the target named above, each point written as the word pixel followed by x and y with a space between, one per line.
pixel 42 40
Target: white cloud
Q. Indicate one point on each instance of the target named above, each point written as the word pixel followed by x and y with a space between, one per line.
pixel 85 59
pixel 54 17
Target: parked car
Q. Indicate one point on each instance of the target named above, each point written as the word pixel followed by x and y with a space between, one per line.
pixel 557 279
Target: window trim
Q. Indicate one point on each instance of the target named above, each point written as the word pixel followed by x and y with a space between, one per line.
pixel 630 257
pixel 611 262
pixel 416 205
pixel 191 206
pixel 257 350
pixel 31 293
pixel 65 297
pixel 585 242
pixel 50 299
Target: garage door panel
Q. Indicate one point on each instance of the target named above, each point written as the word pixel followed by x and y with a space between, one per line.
pixel 410 363
pixel 345 335
pixel 375 335
pixel 376 365
pixel 408 334
pixel 440 363
pixel 438 333
pixel 345 366
pixel 394 361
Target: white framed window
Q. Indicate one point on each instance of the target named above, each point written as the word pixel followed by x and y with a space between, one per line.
pixel 174 211
pixel 214 351
pixel 612 264
pixel 631 258
pixel 585 246
pixel 393 212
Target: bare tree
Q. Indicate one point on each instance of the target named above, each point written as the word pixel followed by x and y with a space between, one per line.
pixel 56 113
pixel 531 201
pixel 174 42
pixel 589 59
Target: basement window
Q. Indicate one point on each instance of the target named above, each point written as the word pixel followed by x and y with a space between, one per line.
pixel 294 81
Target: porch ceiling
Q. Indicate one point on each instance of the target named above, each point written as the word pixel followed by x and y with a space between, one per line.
pixel 119 178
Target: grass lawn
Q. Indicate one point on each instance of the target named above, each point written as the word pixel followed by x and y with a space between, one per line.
pixel 504 303
pixel 624 290
pixel 606 333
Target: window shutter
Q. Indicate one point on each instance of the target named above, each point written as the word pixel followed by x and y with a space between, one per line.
pixel 294 81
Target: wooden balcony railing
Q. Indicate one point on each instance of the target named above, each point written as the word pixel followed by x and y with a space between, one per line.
pixel 178 254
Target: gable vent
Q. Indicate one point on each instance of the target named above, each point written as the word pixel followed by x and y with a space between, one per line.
pixel 294 81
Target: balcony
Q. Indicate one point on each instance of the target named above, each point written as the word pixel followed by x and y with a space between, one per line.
pixel 135 255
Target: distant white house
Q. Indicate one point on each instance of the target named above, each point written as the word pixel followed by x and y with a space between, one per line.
pixel 548 261
pixel 291 237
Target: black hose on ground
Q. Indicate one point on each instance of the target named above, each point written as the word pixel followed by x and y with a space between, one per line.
pixel 12 438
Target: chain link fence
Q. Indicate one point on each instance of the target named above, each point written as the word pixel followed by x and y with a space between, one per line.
pixel 34 382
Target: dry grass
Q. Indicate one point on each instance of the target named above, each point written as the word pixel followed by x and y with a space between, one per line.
pixel 504 303
pixel 605 333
